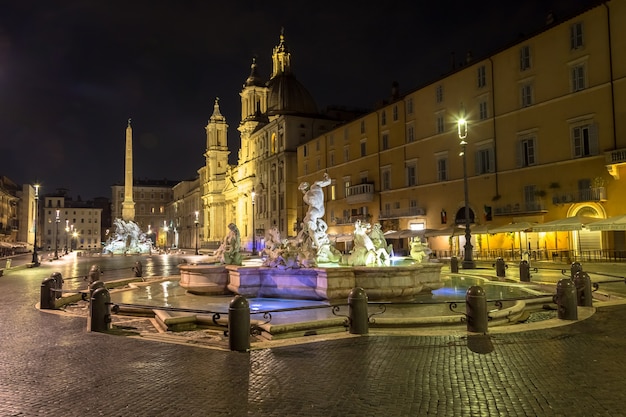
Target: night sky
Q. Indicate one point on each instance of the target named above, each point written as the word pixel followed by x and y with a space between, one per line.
pixel 73 72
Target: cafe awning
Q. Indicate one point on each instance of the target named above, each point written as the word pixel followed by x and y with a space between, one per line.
pixel 513 228
pixel 611 223
pixel 565 225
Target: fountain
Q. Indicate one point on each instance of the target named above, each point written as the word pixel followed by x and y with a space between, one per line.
pixel 127 239
pixel 310 267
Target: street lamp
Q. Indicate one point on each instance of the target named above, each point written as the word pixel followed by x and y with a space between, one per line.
pixel 35 260
pixel 56 235
pixel 197 222
pixel 67 235
pixel 468 261
pixel 253 229
pixel 165 229
pixel 75 237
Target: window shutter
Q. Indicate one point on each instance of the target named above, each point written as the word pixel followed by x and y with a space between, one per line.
pixel 593 139
pixel 492 160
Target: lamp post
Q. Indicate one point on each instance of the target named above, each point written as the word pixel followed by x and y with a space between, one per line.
pixel 468 261
pixel 56 235
pixel 72 236
pixel 253 229
pixel 197 222
pixel 35 260
pixel 165 229
pixel 67 235
pixel 75 237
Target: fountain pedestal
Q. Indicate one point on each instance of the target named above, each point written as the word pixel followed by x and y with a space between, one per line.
pixel 335 283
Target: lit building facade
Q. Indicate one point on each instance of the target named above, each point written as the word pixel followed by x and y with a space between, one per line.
pixel 69 224
pixel 546 140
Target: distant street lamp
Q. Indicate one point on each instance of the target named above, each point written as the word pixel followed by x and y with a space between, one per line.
pixel 35 260
pixel 75 237
pixel 56 235
pixel 197 222
pixel 253 229
pixel 468 261
pixel 67 235
pixel 165 229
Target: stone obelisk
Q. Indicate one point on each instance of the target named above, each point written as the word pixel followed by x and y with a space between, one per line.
pixel 128 205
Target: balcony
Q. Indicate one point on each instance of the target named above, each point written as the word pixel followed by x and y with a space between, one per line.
pixel 399 213
pixel 529 207
pixel 613 160
pixel 339 221
pixel 594 194
pixel 362 193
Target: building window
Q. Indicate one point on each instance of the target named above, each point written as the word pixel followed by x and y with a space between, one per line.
pixel 485 161
pixel 481 76
pixel 306 168
pixel 526 94
pixel 439 94
pixel 333 191
pixel 395 113
pixel 530 196
pixel 386 179
pixel 362 126
pixel 410 134
pixel 482 110
pixel 411 174
pixel 526 152
pixel 331 139
pixel 440 123
pixel 383 118
pixel 331 159
pixel 524 58
pixel 442 168
pixel 363 147
pixel 576 35
pixel 577 74
pixel 409 105
pixel 346 154
pixel 385 140
pixel 346 187
pixel 584 140
pixel 305 150
pixel 318 164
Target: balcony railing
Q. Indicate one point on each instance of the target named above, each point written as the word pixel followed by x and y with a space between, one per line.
pixel 596 194
pixel 520 208
pixel 617 156
pixel 362 193
pixel 398 213
pixel 366 218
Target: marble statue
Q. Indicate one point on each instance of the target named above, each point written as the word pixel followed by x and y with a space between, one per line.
pixel 419 250
pixel 314 244
pixel 127 239
pixel 365 252
pixel 229 252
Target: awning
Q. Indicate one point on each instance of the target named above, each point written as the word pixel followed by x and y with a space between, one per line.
pixel 454 230
pixel 565 225
pixel 405 233
pixel 342 237
pixel 611 223
pixel 512 228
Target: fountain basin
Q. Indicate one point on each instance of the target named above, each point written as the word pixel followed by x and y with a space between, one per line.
pixel 206 279
pixel 321 283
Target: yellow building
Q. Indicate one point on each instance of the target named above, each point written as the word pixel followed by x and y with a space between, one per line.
pixel 546 140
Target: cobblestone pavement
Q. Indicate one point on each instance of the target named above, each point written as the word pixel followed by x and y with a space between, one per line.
pixel 51 366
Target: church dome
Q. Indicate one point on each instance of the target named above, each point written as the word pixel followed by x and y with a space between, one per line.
pixel 287 95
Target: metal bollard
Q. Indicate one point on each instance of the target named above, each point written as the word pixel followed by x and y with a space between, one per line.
pixel 138 269
pixel 358 317
pixel 58 279
pixel 239 324
pixel 584 296
pixel 94 286
pixel 454 264
pixel 574 268
pixel 524 271
pixel 565 299
pixel 476 309
pixel 500 267
pixel 46 301
pixel 100 311
pixel 94 274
